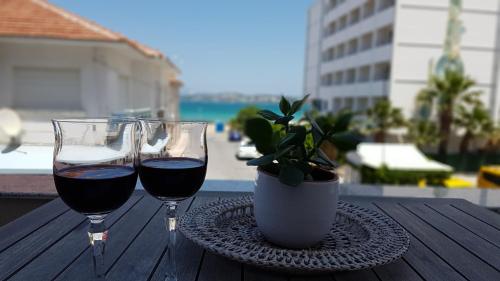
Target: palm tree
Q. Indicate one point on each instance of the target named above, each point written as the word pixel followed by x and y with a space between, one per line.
pixel 383 117
pixel 444 92
pixel 475 120
pixel 423 132
pixel 493 142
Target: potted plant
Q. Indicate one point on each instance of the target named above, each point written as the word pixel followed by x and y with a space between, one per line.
pixel 296 189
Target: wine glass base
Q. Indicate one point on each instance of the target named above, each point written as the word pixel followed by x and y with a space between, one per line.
pixel 96 218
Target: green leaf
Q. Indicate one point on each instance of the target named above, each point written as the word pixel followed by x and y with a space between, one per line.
pixel 284 151
pixel 296 105
pixel 284 105
pixel 264 160
pixel 291 175
pixel 314 124
pixel 342 123
pixel 269 115
pixel 300 134
pixel 345 141
pixel 316 135
pixel 284 120
pixel 261 133
pixel 287 140
pixel 304 167
pixel 278 134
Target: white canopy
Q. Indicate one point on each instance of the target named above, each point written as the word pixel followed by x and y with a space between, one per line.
pixel 395 157
pixel 27 160
pixel 33 159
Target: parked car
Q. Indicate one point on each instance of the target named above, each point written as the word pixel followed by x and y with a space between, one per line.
pixel 489 177
pixel 247 150
pixel 234 136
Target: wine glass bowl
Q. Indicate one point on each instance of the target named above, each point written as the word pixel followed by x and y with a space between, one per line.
pixel 173 158
pixel 95 171
pixel 172 166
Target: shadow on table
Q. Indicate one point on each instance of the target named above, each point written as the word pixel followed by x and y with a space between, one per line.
pixel 13 207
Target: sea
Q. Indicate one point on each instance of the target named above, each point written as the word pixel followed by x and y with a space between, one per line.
pixel 222 111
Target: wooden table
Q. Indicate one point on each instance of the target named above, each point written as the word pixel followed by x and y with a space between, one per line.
pixel 450 240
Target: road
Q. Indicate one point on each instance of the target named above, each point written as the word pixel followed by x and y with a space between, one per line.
pixel 222 163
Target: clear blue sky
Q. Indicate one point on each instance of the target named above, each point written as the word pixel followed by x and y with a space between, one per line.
pixel 254 46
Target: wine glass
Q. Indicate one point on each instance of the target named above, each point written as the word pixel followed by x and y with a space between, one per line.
pixel 172 167
pixel 95 171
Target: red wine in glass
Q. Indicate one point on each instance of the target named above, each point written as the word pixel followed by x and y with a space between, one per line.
pixel 175 178
pixel 95 189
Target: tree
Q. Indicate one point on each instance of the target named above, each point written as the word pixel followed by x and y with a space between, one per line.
pixel 475 120
pixel 493 142
pixel 423 132
pixel 445 91
pixel 246 113
pixel 382 117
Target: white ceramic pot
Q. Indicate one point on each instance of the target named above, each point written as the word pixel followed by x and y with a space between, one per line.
pixel 294 217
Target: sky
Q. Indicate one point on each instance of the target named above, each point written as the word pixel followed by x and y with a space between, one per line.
pixel 254 46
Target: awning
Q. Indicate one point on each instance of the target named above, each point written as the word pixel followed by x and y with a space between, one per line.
pixel 395 157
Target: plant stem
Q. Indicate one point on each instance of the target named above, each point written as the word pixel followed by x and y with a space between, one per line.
pixel 315 148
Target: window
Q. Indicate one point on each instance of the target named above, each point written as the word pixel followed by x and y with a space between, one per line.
pixel 384 35
pixel 382 71
pixel 329 54
pixel 354 16
pixel 342 22
pixel 366 41
pixel 339 77
pixel 353 46
pixel 330 29
pixel 362 104
pixel 350 76
pixel 368 8
pixel 376 99
pixel 324 105
pixel 327 79
pixel 364 73
pixel 385 4
pixel 331 4
pixel 340 52
pixel 348 102
pixel 324 56
pixel 337 104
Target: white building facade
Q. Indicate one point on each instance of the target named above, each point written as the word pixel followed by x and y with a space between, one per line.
pixel 359 51
pixel 41 77
pixel 54 63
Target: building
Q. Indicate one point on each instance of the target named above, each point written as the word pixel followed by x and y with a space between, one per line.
pixel 54 63
pixel 361 50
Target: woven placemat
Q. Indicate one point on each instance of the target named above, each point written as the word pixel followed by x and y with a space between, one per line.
pixel 361 238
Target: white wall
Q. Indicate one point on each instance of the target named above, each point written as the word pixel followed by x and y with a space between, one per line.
pixel 44 56
pixel 103 72
pixel 419 41
pixel 419 34
pixel 313 46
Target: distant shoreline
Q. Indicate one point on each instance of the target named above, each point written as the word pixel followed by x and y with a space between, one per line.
pixel 213 111
pixel 233 98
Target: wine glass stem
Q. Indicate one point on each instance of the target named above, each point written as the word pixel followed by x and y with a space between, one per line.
pixel 171 223
pixel 98 234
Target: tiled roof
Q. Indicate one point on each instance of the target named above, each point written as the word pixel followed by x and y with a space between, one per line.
pixel 40 19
